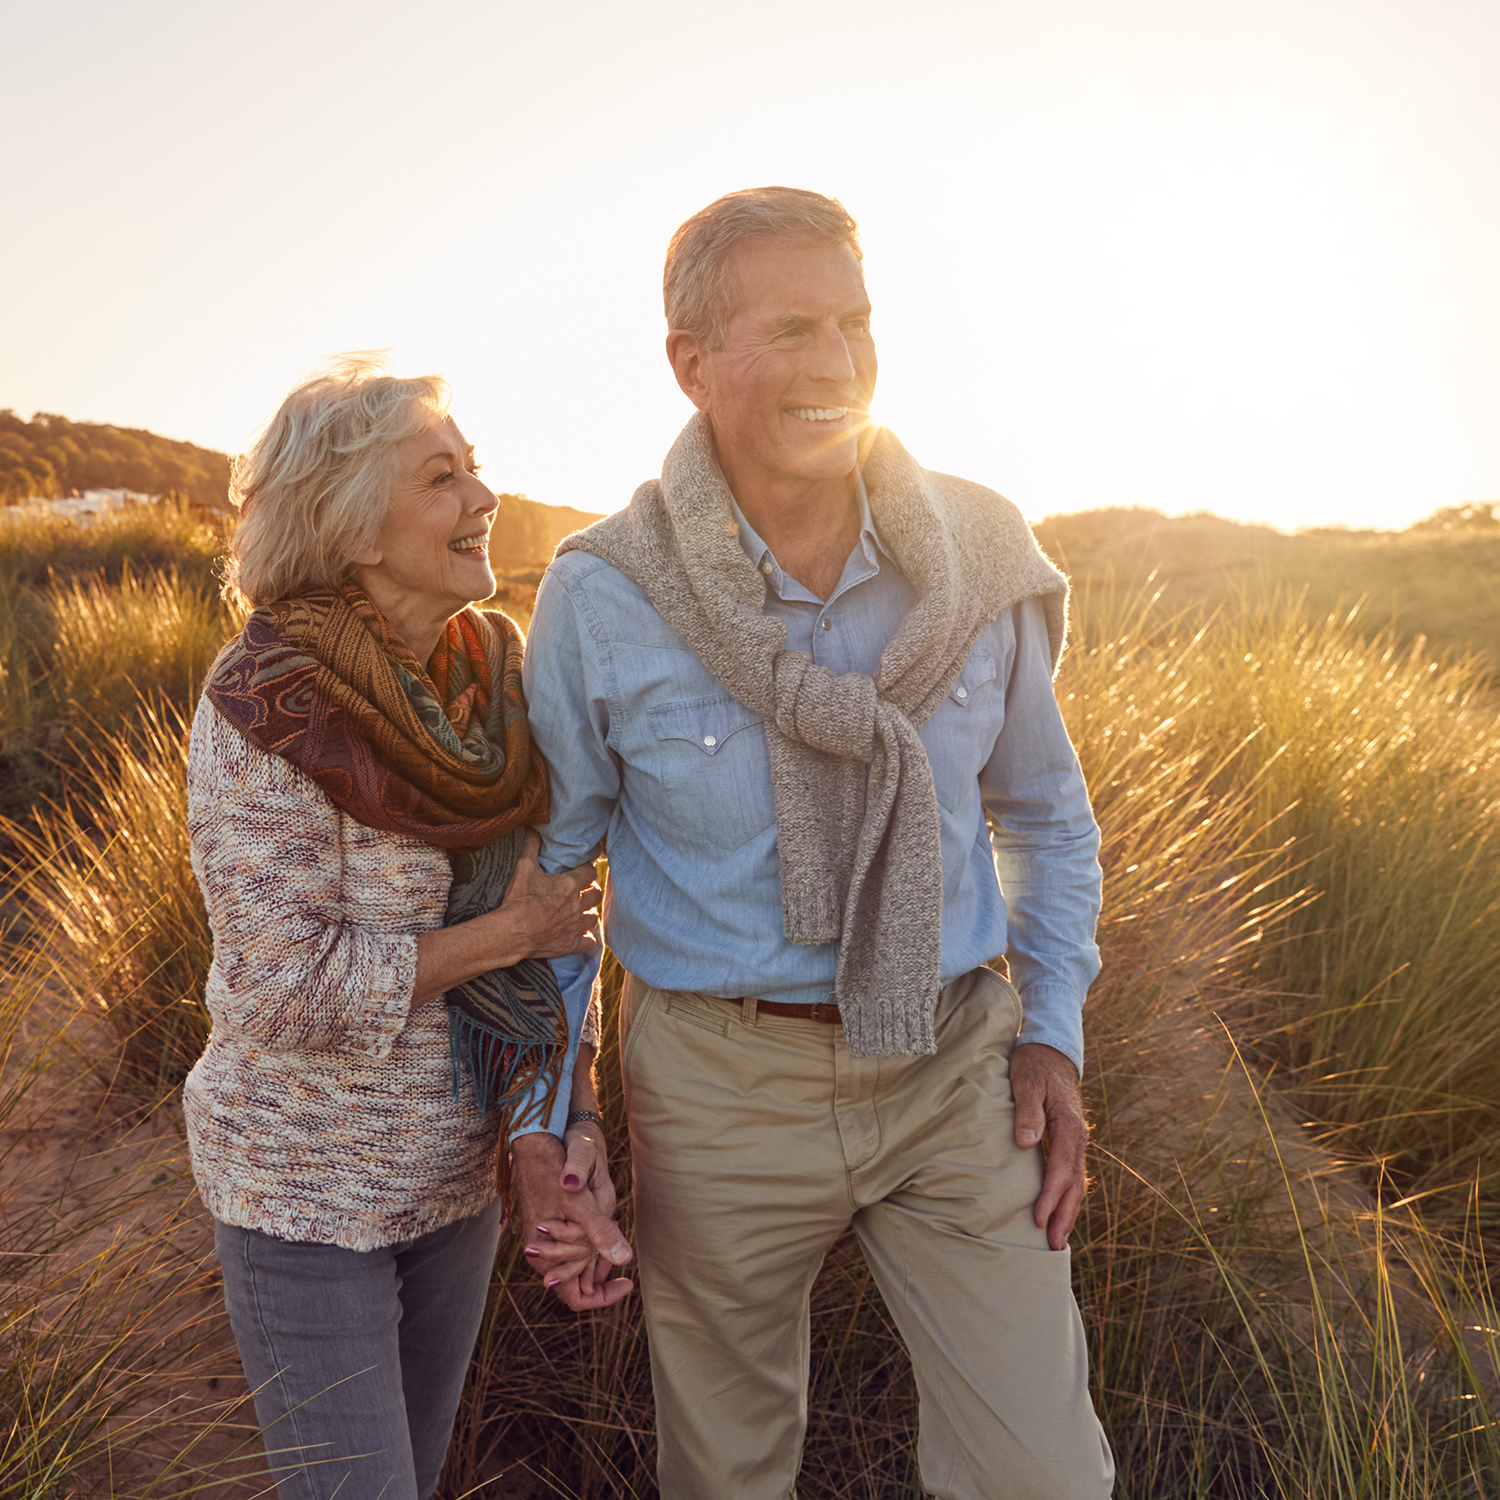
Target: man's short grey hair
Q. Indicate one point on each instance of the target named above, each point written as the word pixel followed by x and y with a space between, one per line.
pixel 697 286
pixel 314 483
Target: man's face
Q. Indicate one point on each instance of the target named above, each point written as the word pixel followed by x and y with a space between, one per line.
pixel 789 394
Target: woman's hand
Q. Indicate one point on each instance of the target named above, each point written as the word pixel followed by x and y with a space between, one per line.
pixel 553 914
pixel 542 916
pixel 565 1200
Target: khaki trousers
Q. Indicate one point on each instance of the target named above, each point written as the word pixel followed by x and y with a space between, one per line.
pixel 756 1141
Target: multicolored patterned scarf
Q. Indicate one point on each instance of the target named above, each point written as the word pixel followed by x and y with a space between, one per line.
pixel 441 753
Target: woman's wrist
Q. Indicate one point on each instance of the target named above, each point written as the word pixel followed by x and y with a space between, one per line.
pixel 450 956
pixel 505 938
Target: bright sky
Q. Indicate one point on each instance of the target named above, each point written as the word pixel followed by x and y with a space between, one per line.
pixel 1236 255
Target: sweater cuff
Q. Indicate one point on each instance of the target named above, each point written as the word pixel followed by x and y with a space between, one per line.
pixel 385 1004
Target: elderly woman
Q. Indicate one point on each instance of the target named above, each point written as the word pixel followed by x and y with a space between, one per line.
pixel 385 1023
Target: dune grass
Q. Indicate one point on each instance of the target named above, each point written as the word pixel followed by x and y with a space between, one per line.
pixel 107 878
pixel 1377 771
pixel 37 546
pixel 1440 583
pixel 79 655
pixel 109 1307
pixel 1283 1265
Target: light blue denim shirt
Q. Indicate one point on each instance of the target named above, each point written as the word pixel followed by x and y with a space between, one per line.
pixel 649 752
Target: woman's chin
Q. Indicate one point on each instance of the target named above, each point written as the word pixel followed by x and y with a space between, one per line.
pixel 474 583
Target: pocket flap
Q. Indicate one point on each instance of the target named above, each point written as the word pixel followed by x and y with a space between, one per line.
pixel 977 671
pixel 705 722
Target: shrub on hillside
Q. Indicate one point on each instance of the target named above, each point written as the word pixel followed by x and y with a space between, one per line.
pixel 50 456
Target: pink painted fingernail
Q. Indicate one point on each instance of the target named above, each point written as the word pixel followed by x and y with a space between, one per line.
pixel 542 1229
pixel 532 1253
pixel 571 1181
pixel 556 1281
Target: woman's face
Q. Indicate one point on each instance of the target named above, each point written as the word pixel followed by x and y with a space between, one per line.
pixel 431 554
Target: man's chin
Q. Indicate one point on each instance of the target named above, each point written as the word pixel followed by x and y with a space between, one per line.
pixel 828 459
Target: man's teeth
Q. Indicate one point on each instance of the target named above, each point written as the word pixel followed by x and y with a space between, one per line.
pixel 469 543
pixel 821 413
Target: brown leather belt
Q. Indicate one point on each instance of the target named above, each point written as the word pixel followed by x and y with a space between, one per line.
pixel 827 1014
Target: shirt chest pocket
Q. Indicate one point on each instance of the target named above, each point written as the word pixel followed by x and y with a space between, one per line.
pixel 960 737
pixel 713 771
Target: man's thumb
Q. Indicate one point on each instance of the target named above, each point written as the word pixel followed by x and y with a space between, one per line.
pixel 1031 1119
pixel 605 1236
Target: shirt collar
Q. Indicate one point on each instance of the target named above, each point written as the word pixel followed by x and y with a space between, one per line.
pixel 755 548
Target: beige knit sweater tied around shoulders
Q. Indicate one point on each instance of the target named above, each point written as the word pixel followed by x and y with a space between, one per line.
pixel 322 1108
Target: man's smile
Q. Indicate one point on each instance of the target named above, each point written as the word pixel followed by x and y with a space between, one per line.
pixel 820 413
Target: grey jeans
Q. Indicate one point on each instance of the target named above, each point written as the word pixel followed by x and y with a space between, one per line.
pixel 357 1358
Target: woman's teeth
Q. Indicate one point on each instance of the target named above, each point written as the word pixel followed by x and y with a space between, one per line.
pixel 821 413
pixel 478 543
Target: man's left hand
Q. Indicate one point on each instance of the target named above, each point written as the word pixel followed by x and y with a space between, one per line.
pixel 565 1198
pixel 1049 1111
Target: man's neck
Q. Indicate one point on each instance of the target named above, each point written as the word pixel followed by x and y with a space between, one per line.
pixel 812 527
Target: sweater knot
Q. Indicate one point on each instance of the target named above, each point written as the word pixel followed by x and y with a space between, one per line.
pixel 833 712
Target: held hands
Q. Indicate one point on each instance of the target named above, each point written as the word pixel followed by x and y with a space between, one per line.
pixel 557 914
pixel 1049 1105
pixel 565 1199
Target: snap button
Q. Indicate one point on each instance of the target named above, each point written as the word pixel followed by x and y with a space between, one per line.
pixel 710 741
pixel 962 692
pixel 826 624
pixel 768 567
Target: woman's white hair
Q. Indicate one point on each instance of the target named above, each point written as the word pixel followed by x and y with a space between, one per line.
pixel 697 285
pixel 313 486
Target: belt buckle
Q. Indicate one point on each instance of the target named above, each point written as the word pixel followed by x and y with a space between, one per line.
pixel 828 1014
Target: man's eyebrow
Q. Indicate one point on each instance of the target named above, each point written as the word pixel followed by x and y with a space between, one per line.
pixel 794 321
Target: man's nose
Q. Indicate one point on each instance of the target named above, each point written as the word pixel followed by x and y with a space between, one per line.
pixel 832 360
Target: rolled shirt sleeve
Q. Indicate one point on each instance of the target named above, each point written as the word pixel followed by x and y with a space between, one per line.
pixel 1046 847
pixel 568 711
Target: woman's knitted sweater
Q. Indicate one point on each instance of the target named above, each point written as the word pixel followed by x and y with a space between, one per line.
pixel 322 1108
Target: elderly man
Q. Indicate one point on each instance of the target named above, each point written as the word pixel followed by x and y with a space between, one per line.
pixel 801 689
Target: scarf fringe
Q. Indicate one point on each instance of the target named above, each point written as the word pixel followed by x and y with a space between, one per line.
pixel 502 1070
pixel 503 1073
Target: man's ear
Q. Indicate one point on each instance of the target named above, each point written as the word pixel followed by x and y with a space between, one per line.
pixel 686 355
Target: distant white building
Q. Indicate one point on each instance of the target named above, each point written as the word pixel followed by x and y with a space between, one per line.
pixel 89 504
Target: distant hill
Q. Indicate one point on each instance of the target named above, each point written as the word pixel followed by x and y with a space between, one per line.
pixel 1439 579
pixel 526 532
pixel 49 457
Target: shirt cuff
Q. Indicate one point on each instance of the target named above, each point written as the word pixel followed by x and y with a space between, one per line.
pixel 1053 1015
pixel 579 983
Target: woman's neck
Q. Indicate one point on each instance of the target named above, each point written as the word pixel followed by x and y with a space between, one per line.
pixel 419 622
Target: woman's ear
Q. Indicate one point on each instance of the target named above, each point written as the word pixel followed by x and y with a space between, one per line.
pixel 371 557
